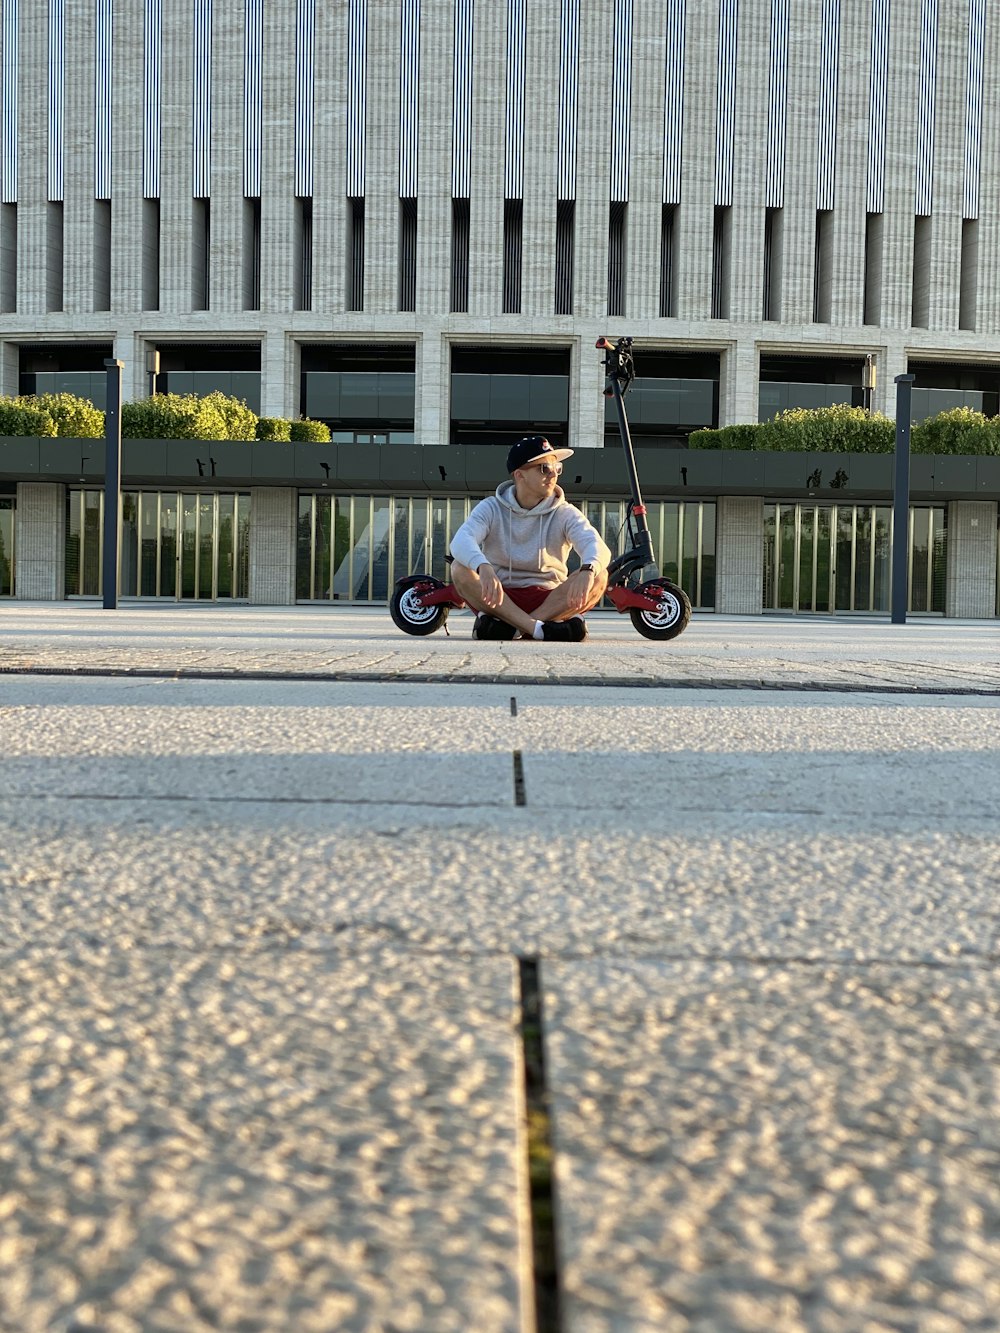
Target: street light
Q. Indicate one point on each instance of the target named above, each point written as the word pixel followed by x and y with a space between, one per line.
pixel 152 369
pixel 868 377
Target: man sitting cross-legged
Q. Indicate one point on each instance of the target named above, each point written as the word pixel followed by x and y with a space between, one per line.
pixel 510 553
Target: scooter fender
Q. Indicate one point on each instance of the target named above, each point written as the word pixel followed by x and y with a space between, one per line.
pixel 437 593
pixel 643 597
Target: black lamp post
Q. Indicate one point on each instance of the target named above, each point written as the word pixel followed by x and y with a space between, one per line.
pixel 901 500
pixel 112 481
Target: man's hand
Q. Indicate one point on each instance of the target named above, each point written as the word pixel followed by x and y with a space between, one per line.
pixel 492 590
pixel 579 586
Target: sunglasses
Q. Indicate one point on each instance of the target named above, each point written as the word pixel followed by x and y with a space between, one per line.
pixel 550 469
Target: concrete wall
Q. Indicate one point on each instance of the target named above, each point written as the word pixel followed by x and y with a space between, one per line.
pixel 40 541
pixel 280 325
pixel 971 588
pixel 273 514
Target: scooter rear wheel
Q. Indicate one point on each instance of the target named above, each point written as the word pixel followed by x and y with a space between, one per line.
pixel 412 618
pixel 671 616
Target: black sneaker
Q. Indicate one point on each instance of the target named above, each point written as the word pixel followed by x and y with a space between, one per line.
pixel 565 631
pixel 491 627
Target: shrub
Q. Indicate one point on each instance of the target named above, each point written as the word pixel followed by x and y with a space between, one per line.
pixel 237 421
pixel 19 417
pixel 836 429
pixel 173 416
pixel 314 432
pixel 75 418
pixel 165 416
pixel 706 439
pixel 984 439
pixel 274 428
pixel 958 431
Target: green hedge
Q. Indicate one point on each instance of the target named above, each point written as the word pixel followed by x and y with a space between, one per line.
pixel 312 432
pixel 274 428
pixel 851 430
pixel 165 416
pixel 19 417
pixel 74 418
pixel 174 416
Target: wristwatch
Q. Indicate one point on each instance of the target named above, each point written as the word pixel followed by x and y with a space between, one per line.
pixel 589 569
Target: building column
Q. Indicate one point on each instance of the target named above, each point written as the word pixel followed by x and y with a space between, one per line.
pixel 739 557
pixel 739 375
pixel 273 512
pixel 40 541
pixel 971 581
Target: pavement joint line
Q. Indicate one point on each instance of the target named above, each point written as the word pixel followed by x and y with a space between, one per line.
pixel 520 795
pixel 403 676
pixel 539 1150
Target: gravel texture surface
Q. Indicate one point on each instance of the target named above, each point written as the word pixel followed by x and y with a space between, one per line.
pixel 199 1141
pixel 810 1149
pixel 259 1053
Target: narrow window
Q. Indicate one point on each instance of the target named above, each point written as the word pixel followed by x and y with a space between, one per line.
pixel 721 225
pixel 565 227
pixel 355 254
pixel 304 255
pixel 54 257
pixel 668 236
pixel 970 269
pixel 407 254
pixel 773 220
pixel 8 258
pixel 513 223
pixel 102 254
pixel 251 254
pixel 823 267
pixel 617 258
pixel 873 268
pixel 921 300
pixel 459 255
pixel 151 254
pixel 201 252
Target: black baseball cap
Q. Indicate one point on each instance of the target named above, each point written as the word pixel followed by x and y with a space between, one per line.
pixel 532 449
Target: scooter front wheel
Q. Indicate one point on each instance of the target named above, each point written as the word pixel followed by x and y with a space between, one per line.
pixel 413 618
pixel 671 616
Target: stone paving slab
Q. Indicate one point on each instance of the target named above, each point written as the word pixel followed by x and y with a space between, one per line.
pixel 633 853
pixel 797 1149
pixel 197 1141
pixel 361 643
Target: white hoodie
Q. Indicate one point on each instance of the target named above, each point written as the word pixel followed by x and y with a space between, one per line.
pixel 527 547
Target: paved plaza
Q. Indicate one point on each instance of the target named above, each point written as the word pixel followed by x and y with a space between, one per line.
pixel 276 886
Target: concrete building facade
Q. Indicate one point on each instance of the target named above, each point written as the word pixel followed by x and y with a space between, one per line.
pixel 413 219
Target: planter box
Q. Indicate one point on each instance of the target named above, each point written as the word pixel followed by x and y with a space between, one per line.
pixel 358 465
pixel 218 463
pixel 443 469
pixel 951 475
pixel 20 457
pixel 988 478
pixel 71 461
pixel 310 459
pixel 400 468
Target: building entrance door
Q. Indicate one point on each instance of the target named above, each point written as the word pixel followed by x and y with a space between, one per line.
pixel 838 558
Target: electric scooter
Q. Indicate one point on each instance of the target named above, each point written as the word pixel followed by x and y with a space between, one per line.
pixel 658 608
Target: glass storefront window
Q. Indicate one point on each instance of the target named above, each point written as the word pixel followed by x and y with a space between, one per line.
pixel 832 558
pixel 210 562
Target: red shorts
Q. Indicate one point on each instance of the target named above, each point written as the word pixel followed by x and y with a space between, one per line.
pixel 528 599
